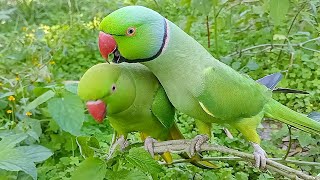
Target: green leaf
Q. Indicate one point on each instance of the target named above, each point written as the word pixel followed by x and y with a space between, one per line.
pixel 68 112
pixel 236 65
pixel 252 65
pixel 202 6
pixel 23 176
pixel 6 94
pixel 279 37
pixel 11 140
pixel 278 10
pixel 8 175
pixel 39 100
pixel 305 139
pixel 34 128
pixel 141 159
pixel 90 168
pixel 30 126
pixel 185 2
pixel 85 144
pixel 315 116
pixel 12 159
pixel 35 153
pixel 125 174
pixel 241 175
pixel 72 87
pixel 3 104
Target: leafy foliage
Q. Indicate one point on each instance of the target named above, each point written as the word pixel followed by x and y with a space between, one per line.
pixel 68 112
pixel 21 158
pixel 46 45
pixel 90 168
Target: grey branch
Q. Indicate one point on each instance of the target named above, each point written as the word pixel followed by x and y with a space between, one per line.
pixel 179 146
pixel 235 158
pixel 268 46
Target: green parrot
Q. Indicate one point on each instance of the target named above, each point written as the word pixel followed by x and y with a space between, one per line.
pixel 195 82
pixel 134 101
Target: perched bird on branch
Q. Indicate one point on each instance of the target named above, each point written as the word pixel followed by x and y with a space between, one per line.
pixel 196 83
pixel 134 101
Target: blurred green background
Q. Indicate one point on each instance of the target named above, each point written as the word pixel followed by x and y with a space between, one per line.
pixel 46 45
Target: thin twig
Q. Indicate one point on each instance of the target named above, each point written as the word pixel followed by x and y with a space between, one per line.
pixel 234 158
pixel 289 146
pixel 255 47
pixel 290 64
pixel 289 30
pixel 305 42
pixel 178 146
pixel 269 45
pixel 310 49
pixel 216 31
pixel 221 7
pixel 291 176
pixel 208 30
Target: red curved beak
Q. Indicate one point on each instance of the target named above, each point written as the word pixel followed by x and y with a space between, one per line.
pixel 97 109
pixel 107 44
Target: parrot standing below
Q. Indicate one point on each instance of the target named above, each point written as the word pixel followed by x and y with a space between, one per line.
pixel 134 101
pixel 195 82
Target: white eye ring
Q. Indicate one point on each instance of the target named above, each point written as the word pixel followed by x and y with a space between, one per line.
pixel 131 31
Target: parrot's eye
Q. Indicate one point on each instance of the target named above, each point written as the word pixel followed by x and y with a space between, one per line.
pixel 131 31
pixel 113 88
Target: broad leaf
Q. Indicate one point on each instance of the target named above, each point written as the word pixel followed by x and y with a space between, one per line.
pixel 86 145
pixel 203 6
pixel 90 168
pixel 143 160
pixel 30 126
pixel 278 10
pixel 252 65
pixel 12 159
pixel 39 100
pixel 72 87
pixel 35 153
pixel 315 116
pixel 125 174
pixel 6 94
pixel 11 140
pixel 68 112
pixel 3 104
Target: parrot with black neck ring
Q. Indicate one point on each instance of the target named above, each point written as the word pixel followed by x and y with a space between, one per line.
pixel 195 82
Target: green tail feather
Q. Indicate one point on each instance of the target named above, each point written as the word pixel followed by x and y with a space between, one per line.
pixel 277 111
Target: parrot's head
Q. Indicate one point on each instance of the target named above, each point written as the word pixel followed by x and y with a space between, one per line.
pixel 132 34
pixel 106 89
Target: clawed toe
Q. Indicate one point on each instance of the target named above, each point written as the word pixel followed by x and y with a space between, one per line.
pixel 260 156
pixel 148 145
pixel 122 142
pixel 196 143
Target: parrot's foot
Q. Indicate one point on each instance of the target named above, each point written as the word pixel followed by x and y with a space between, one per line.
pixel 122 142
pixel 196 143
pixel 148 145
pixel 260 156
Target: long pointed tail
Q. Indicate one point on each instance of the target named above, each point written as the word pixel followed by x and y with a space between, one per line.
pixel 196 160
pixel 277 111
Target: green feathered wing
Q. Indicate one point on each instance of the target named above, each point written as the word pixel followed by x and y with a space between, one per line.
pixel 164 111
pixel 162 108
